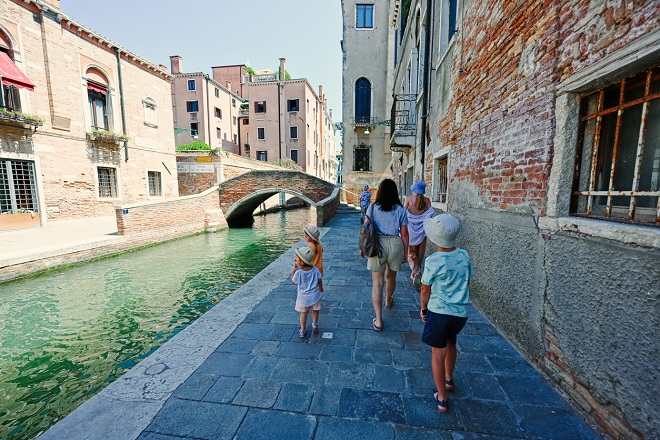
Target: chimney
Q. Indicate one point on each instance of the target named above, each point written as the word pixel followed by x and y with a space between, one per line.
pixel 321 93
pixel 282 69
pixel 175 62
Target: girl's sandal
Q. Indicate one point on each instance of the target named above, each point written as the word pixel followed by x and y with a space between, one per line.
pixel 449 385
pixel 442 404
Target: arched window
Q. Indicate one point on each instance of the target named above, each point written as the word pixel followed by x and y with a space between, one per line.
pixel 97 95
pixel 362 101
pixel 150 112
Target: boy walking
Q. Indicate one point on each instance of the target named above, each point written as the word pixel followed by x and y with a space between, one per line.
pixel 444 301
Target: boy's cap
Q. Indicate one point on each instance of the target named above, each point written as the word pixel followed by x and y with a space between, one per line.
pixel 313 232
pixel 366 187
pixel 443 230
pixel 305 254
pixel 419 187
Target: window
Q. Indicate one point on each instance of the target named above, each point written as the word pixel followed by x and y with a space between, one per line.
pixel 453 6
pixel 96 97
pixel 246 121
pixel 10 97
pixel 293 105
pixel 155 186
pixel 194 129
pixel 234 120
pixel 192 85
pixel 260 107
pixel 218 113
pixel 218 133
pixel 362 101
pixel 18 186
pixel 107 182
pixel 618 160
pixel 294 155
pixel 307 131
pixel 149 112
pixel 308 106
pixel 233 104
pixel 235 139
pixel 261 134
pixel 364 16
pixel 441 180
pixel 191 106
pixel 217 92
pixel 447 24
pixel 293 132
pixel 362 157
pixel 262 155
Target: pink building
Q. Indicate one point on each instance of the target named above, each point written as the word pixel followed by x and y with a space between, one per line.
pixel 205 110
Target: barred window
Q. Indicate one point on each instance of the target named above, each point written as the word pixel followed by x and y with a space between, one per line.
pixel 362 157
pixel 107 182
pixel 155 185
pixel 617 173
pixel 18 187
pixel 441 180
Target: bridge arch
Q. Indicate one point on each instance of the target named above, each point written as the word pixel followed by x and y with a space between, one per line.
pixel 241 195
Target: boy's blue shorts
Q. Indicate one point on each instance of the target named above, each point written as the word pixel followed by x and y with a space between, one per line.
pixel 440 329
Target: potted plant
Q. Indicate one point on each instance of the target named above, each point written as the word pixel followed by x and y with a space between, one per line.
pixel 19 219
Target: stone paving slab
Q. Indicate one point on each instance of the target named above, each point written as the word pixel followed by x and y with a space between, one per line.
pixel 253 377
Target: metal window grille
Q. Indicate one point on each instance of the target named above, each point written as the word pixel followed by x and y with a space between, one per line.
pixel 18 186
pixel 442 180
pixel 617 174
pixel 107 182
pixel 362 157
pixel 155 187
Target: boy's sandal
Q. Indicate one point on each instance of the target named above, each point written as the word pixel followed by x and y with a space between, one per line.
pixel 376 328
pixel 449 385
pixel 301 334
pixel 443 405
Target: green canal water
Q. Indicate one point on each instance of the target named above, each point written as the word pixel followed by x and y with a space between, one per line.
pixel 65 336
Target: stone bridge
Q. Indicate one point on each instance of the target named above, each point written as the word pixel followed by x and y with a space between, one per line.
pixel 241 195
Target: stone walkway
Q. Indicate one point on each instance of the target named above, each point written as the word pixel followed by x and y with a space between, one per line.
pixel 260 381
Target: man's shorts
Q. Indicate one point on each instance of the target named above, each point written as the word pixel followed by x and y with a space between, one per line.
pixel 391 251
pixel 303 309
pixel 441 329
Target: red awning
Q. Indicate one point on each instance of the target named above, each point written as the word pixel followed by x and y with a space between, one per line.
pixel 97 87
pixel 12 75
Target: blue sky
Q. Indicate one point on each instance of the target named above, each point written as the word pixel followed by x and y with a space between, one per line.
pixel 213 32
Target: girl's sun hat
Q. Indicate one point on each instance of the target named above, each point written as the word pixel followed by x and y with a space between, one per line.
pixel 443 230
pixel 419 187
pixel 313 232
pixel 305 254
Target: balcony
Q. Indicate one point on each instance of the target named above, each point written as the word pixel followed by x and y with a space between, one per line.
pixel 362 121
pixel 403 120
pixel 107 136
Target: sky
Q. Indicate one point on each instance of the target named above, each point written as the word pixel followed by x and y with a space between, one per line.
pixel 208 33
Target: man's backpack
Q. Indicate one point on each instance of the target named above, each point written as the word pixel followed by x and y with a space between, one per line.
pixel 369 243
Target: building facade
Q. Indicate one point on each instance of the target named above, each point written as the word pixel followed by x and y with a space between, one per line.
pixel 85 125
pixel 367 68
pixel 205 110
pixel 538 125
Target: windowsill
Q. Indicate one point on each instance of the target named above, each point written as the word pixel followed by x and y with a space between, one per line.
pixel 446 52
pixel 149 124
pixel 646 236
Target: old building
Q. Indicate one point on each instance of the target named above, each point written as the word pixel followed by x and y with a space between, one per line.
pixel 368 64
pixel 85 125
pixel 538 124
pixel 206 110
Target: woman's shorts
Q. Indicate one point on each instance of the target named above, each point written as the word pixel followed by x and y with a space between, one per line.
pixel 391 254
pixel 442 329
pixel 303 309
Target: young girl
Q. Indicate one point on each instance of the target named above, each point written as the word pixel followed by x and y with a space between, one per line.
pixel 312 235
pixel 310 286
pixel 418 208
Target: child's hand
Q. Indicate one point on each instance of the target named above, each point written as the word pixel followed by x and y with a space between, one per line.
pixel 321 289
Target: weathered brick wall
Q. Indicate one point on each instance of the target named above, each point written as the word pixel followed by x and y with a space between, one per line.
pixel 66 160
pixel 158 221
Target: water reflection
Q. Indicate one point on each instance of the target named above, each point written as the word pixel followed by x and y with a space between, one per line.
pixel 67 335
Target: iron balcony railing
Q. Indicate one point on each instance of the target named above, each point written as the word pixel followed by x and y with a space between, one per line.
pixel 402 120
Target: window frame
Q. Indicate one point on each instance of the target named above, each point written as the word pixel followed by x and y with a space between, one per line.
pixel 291 155
pixel 291 128
pixel 92 98
pixel 19 191
pixel 367 164
pixel 113 182
pixel 358 97
pixel 293 105
pixel 262 153
pixel 366 7
pixel 149 106
pixel 192 82
pixel 258 105
pixel 218 113
pixel 261 131
pixel 192 106
pixel 196 130
pixel 155 190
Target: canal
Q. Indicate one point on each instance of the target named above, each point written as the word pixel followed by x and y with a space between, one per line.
pixel 65 336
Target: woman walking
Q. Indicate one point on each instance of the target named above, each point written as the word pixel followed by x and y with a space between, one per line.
pixel 418 208
pixel 391 223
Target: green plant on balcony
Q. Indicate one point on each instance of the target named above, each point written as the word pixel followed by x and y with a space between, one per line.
pixel 21 117
pixel 107 135
pixel 288 163
pixel 197 146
